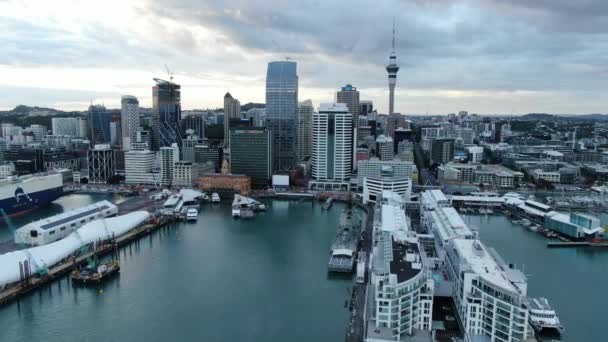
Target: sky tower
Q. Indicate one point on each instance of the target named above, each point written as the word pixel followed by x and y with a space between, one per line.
pixel 392 68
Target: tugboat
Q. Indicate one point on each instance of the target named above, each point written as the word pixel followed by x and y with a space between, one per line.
pixel 92 275
pixel 543 319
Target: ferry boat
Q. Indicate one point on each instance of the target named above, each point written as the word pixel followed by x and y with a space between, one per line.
pixel 246 207
pixel 215 197
pixel 192 214
pixel 22 194
pixel 543 319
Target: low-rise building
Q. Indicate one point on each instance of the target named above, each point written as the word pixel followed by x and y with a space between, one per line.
pixel 225 184
pixel 574 225
pixel 553 176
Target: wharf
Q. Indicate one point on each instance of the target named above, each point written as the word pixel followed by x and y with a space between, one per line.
pixel 572 244
pixel 355 332
pixel 55 272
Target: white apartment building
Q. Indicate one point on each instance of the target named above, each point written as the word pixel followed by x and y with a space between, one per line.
pixel 385 148
pixel 331 147
pixel 490 296
pixel 139 167
pixel 401 287
pixel 373 168
pixel 475 154
pixel 373 187
pixel 168 157
pixel 129 117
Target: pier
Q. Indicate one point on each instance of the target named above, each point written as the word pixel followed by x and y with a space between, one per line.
pixel 28 285
pixel 573 244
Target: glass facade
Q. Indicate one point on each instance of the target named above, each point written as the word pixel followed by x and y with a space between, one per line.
pixel 250 154
pixel 167 112
pixel 281 112
pixel 99 124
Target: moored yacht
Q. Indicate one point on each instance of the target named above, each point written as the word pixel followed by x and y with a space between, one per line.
pixel 215 197
pixel 192 214
pixel 543 318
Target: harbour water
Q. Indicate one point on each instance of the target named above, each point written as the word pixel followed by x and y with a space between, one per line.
pixel 218 279
pixel 574 280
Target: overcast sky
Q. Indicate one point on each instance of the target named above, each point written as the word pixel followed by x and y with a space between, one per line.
pixel 484 56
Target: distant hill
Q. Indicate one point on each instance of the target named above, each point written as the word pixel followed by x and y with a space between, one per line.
pixel 23 110
pixel 26 115
pixel 564 117
pixel 248 106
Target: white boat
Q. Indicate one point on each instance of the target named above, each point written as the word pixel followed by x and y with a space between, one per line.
pixel 215 197
pixel 236 211
pixel 525 222
pixel 543 318
pixel 192 214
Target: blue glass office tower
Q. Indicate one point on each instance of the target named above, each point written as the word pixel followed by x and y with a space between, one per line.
pixel 99 124
pixel 166 114
pixel 281 112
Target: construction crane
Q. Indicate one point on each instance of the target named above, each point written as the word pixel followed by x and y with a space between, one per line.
pixel 43 269
pixel 170 73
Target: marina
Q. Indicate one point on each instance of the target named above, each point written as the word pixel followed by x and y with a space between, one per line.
pixel 279 254
pixel 545 267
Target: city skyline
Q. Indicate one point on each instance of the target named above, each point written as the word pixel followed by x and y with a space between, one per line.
pixel 482 56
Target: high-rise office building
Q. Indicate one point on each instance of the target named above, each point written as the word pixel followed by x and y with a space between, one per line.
pixel 166 114
pixel 139 167
pixel 392 70
pixel 442 150
pixel 281 110
pixel 102 163
pixel 349 95
pixel 68 126
pixel 208 153
pixel 384 147
pixel 251 154
pixel 130 125
pixel 99 124
pixel 188 144
pixel 37 131
pixel 331 147
pixel 394 121
pixel 305 110
pixel 232 110
pixel 194 122
pixel 366 107
pixel 168 157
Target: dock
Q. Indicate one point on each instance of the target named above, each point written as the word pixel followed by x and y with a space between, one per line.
pixel 573 244
pixel 14 292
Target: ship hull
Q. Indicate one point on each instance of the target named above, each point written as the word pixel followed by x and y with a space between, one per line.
pixel 22 204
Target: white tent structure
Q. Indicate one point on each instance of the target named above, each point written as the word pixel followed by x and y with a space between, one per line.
pixel 50 254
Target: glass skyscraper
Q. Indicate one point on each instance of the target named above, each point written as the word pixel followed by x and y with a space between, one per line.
pixel 166 114
pixel 281 112
pixel 99 124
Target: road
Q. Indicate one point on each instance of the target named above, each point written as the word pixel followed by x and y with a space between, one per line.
pixel 426 177
pixel 356 328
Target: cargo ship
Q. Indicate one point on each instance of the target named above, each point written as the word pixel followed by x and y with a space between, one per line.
pixel 19 195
